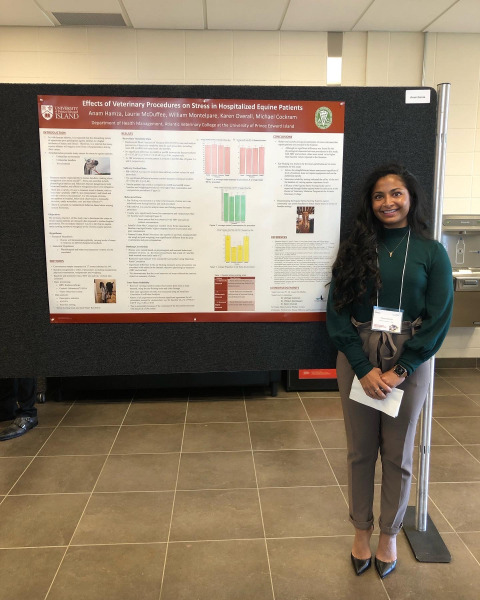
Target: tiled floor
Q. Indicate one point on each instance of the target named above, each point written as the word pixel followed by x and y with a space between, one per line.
pixel 231 496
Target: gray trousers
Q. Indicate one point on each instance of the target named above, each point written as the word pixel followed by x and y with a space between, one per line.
pixel 370 431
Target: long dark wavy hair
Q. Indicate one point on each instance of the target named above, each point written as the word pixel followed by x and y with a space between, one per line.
pixel 356 264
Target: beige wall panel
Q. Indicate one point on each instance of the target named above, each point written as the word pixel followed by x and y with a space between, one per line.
pixel 476 164
pixel 354 60
pixel 64 40
pixel 161 67
pixel 265 68
pixel 303 67
pixel 378 45
pixel 64 68
pixel 406 81
pixel 25 80
pixel 256 42
pixel 456 206
pixel 108 40
pixel 461 116
pixel 209 42
pixel 18 64
pixel 476 187
pixel 19 39
pixel 463 92
pixel 460 140
pixel 112 67
pixel 303 43
pixel 458 186
pixel 302 82
pixel 475 209
pixel 170 43
pixel 458 56
pixel 405 58
pixel 114 80
pixel 160 81
pixel 241 81
pixel 459 163
pixel 212 81
pixel 211 67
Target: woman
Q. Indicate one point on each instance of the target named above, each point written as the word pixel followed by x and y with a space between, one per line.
pixel 388 261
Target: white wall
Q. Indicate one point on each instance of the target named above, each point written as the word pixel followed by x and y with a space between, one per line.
pixel 455 59
pixel 103 55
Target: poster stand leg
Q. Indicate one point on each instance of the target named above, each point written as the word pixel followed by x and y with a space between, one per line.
pixel 427 546
pixel 423 537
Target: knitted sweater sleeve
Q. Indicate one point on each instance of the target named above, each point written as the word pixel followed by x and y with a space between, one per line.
pixel 438 312
pixel 345 337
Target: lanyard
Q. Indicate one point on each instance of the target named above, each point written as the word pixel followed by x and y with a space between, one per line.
pixel 403 272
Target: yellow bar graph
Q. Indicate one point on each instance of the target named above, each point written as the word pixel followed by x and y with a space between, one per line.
pixel 228 242
pixel 237 254
pixel 246 248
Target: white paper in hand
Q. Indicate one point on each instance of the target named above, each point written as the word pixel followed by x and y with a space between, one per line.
pixel 390 406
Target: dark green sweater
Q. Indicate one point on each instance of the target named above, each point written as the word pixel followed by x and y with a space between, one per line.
pixel 427 293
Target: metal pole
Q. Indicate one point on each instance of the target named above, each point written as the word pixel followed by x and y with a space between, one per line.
pixel 421 512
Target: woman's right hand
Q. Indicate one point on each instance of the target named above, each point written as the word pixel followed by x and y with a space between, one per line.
pixel 374 386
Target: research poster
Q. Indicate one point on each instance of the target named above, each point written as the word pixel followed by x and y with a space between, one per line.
pixel 187 209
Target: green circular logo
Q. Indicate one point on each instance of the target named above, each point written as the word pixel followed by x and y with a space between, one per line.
pixel 323 117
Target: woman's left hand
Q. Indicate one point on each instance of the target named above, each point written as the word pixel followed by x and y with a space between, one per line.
pixel 392 379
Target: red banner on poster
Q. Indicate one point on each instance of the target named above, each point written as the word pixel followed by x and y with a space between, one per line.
pixel 187 114
pixel 317 374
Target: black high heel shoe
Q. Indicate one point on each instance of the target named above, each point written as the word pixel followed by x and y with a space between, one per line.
pixel 384 568
pixel 361 565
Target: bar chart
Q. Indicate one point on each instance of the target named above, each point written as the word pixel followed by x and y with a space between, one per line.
pixel 217 159
pixel 239 253
pixel 233 207
pixel 252 160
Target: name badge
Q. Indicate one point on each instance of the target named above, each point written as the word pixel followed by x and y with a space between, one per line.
pixel 387 319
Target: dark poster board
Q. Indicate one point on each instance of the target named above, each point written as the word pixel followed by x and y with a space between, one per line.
pixel 379 127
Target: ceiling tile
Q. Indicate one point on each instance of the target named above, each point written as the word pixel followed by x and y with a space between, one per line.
pixel 251 15
pixel 22 14
pixel 407 15
pixel 455 16
pixel 323 15
pixel 165 14
pixel 463 17
pixel 85 6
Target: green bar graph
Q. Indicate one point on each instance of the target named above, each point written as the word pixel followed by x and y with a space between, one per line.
pixel 237 208
pixel 233 207
pixel 225 206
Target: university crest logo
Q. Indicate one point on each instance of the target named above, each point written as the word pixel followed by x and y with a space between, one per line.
pixel 47 111
pixel 323 117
